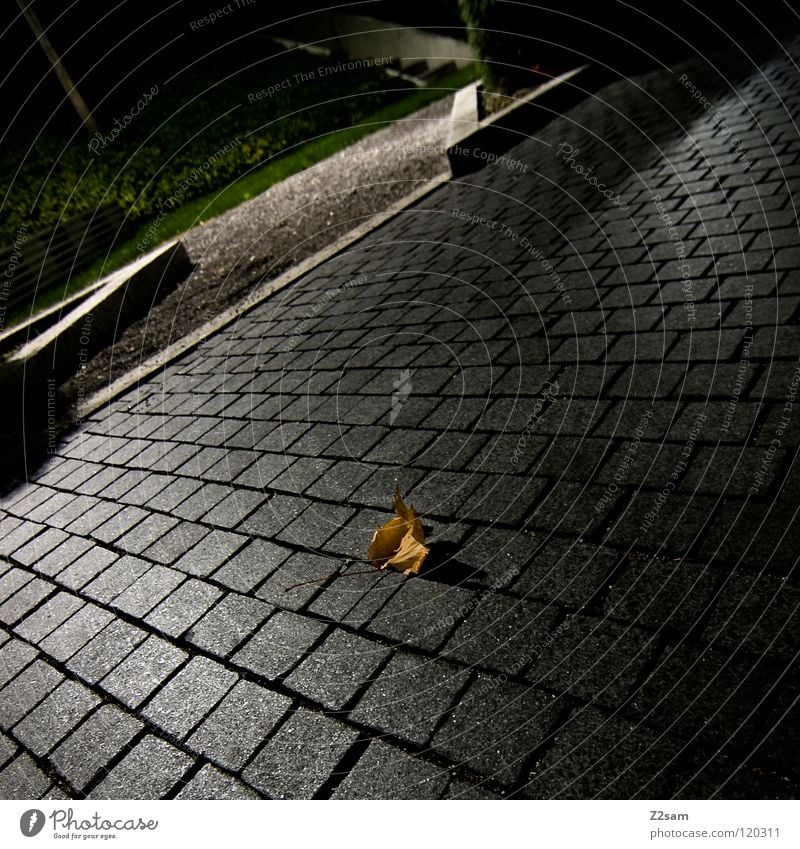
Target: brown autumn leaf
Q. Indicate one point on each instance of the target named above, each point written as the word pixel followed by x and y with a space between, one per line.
pixel 400 543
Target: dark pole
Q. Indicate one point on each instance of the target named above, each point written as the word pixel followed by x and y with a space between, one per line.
pixel 66 81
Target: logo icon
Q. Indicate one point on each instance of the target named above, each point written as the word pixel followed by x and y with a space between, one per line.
pixel 402 389
pixel 31 822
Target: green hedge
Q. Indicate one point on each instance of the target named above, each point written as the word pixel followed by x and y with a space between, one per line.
pixel 164 144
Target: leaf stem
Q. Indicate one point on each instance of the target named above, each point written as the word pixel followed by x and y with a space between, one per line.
pixel 343 575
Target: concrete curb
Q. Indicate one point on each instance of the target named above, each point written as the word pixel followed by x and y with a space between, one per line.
pixel 29 329
pixel 469 147
pixel 94 323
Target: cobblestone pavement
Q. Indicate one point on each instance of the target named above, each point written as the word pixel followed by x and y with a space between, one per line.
pixel 591 395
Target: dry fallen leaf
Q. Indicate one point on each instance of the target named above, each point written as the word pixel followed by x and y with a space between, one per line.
pixel 400 543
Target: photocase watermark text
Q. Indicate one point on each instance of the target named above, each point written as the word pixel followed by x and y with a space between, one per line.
pixel 328 296
pixel 175 199
pixel 548 395
pixel 401 390
pixel 14 260
pixel 717 118
pixel 312 75
pixel 523 241
pixel 491 158
pixel 103 140
pixel 625 463
pixel 222 12
pixel 569 155
pixel 677 473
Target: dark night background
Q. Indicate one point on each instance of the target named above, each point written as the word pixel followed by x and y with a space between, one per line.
pixel 107 49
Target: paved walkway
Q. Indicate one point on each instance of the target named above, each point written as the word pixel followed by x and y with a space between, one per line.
pixel 592 398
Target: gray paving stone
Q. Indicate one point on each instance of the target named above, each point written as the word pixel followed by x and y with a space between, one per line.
pixel 498 556
pixel 7 749
pixel 13 580
pixel 189 696
pixel 183 607
pixel 211 783
pixel 385 772
pixel 302 473
pixel 271 518
pixel 337 669
pixel 654 593
pixel 116 578
pixel 48 617
pixel 47 509
pixel 596 756
pixel 24 600
pixel 300 757
pixel 247 569
pixel 400 446
pixel 119 524
pixel 174 494
pixel 261 473
pixel 316 525
pixel 147 490
pixel 202 458
pixel 22 694
pixel 86 567
pixel 777 750
pixel 55 717
pixel 142 671
pixel 61 556
pixel 228 623
pixel 300 567
pixel 149 530
pixel 378 488
pixel 592 659
pixel 175 543
pixel 353 540
pixel 464 792
pixel 340 480
pixel 495 728
pixel 115 642
pixel 14 656
pixel 26 497
pixel 148 771
pixel 210 553
pixel 146 592
pixel 92 519
pixel 501 633
pixel 200 502
pixel 723 777
pixel 8 524
pixel 238 726
pixel 568 572
pixel 279 644
pixel 234 509
pixel 422 613
pixel 410 696
pixel 706 696
pixel 56 794
pixel 504 499
pixel 22 779
pixel 76 631
pixel 39 546
pixel 759 612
